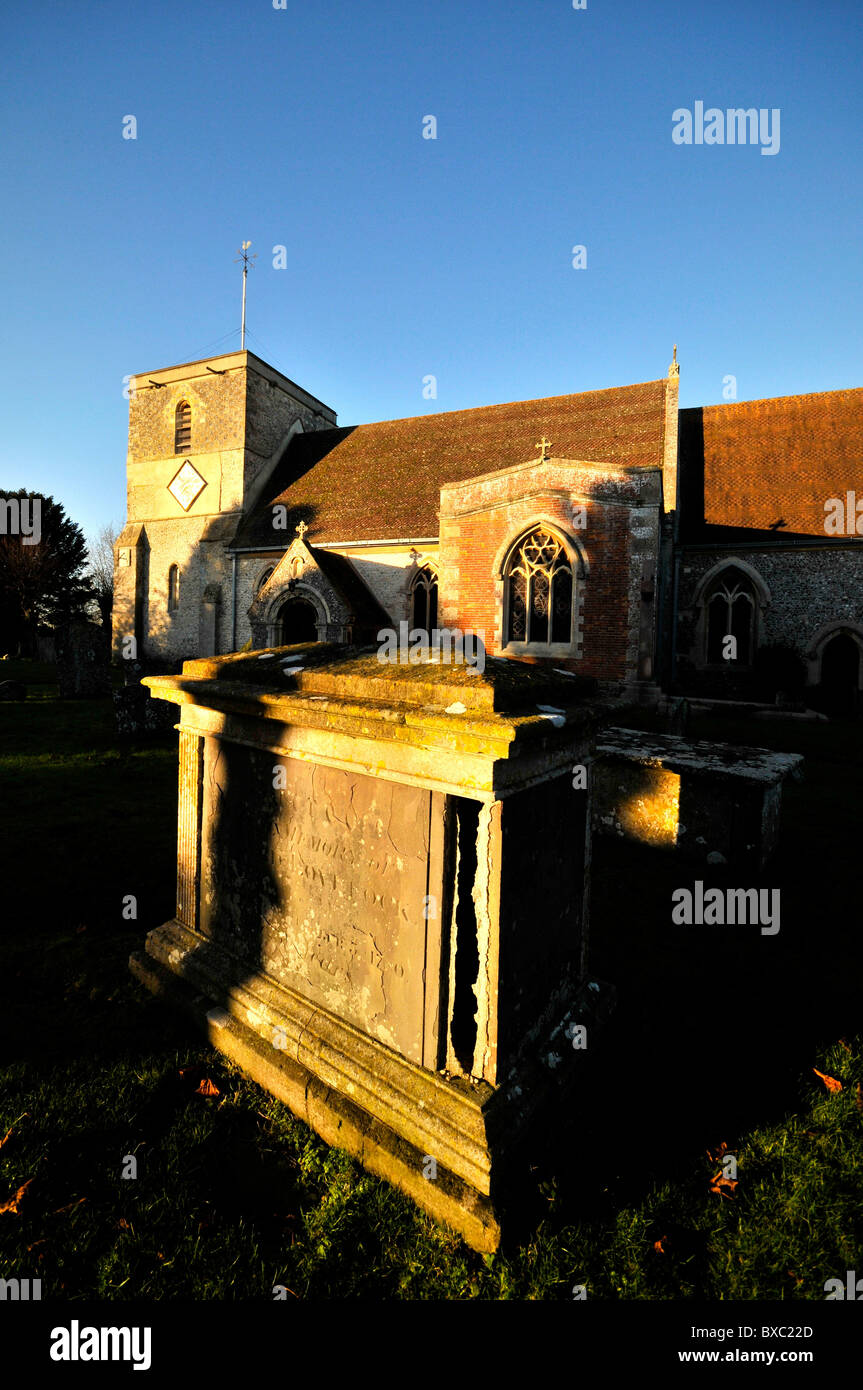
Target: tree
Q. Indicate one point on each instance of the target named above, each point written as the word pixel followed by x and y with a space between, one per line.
pixel 43 582
pixel 100 555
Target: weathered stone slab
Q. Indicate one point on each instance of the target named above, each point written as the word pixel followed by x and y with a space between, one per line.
pixel 697 797
pixel 322 883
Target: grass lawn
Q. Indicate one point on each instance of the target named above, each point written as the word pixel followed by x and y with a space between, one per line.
pixel 714 1041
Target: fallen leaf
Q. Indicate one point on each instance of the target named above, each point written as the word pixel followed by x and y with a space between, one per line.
pixel 11 1203
pixel 829 1081
pixel 843 1043
pixel 658 1245
pixel 196 1080
pixel 206 1088
pixel 723 1187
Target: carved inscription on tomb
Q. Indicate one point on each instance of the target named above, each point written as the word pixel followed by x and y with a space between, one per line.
pixel 322 883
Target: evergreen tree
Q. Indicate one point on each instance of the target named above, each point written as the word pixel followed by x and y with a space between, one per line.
pixel 43 582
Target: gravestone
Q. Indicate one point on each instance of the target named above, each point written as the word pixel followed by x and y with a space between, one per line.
pixel 136 712
pixel 83 669
pixel 382 901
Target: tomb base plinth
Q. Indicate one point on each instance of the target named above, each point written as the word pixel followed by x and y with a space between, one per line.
pixel 388 1113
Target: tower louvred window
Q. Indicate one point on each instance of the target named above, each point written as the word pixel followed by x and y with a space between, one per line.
pixel 183 428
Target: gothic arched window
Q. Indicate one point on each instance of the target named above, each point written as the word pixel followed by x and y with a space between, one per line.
pixel 183 428
pixel 424 600
pixel 539 591
pixel 263 579
pixel 731 609
pixel 173 589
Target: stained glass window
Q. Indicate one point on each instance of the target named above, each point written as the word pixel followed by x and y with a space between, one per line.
pixel 539 591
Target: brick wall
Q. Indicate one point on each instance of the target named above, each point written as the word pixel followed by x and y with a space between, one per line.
pixel 481 518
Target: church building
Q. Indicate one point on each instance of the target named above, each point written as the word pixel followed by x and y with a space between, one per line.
pixel 608 533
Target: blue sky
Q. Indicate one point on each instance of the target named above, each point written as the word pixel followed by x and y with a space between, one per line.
pixel 407 256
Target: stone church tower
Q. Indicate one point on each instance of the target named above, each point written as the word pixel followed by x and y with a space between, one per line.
pixel 204 439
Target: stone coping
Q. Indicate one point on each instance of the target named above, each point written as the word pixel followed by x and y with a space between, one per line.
pixel 327 668
pixel 699 758
pixel 436 703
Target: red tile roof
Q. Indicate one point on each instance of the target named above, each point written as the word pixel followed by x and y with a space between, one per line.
pixel 776 460
pixel 383 481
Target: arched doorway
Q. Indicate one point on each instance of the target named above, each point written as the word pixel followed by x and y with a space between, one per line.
pixel 297 622
pixel 840 674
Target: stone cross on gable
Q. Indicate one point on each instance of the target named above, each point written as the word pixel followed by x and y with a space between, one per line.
pixel 302 529
pixel 544 445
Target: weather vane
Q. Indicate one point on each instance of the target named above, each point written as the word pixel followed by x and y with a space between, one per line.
pixel 246 259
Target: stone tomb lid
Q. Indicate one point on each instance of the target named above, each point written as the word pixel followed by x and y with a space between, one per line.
pixel 698 757
pixel 493 732
pixel 503 686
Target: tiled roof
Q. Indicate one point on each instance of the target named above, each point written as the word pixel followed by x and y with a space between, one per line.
pixel 383 481
pixel 765 462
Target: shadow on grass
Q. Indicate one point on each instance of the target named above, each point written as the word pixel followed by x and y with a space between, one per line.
pixel 716 1026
